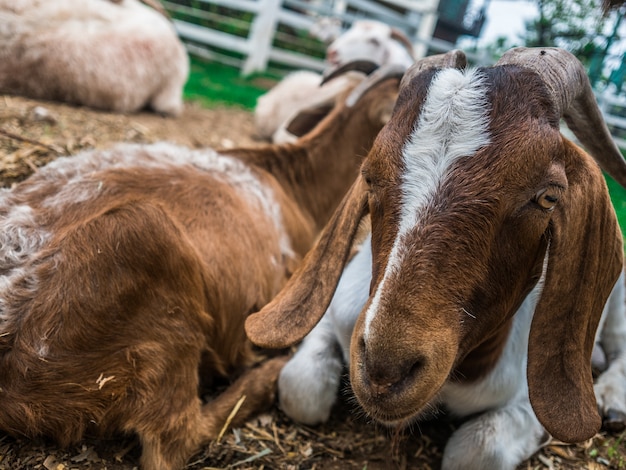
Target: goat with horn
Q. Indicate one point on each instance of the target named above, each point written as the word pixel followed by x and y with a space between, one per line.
pixel 494 249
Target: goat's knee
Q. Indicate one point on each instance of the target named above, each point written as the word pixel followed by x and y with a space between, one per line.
pixel 309 383
pixel 499 439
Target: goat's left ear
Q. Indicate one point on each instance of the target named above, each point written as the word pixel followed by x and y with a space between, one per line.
pixel 297 308
pixel 585 260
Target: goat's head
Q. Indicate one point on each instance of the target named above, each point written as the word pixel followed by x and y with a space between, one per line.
pixel 356 102
pixel 367 39
pixel 475 199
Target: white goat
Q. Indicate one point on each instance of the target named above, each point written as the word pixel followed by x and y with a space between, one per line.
pixel 114 55
pixel 366 40
pixel 371 40
pixel 126 275
pixel 494 249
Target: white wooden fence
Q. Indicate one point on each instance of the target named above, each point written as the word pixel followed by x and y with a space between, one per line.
pixel 614 111
pixel 271 28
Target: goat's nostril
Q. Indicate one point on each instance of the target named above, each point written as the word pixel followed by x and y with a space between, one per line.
pixel 379 389
pixel 415 368
pixel 386 376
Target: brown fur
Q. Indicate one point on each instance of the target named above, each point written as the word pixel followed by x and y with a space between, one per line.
pixel 479 248
pixel 150 282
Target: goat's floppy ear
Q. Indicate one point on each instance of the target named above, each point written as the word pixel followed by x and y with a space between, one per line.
pixel 585 260
pixel 302 302
pixel 307 119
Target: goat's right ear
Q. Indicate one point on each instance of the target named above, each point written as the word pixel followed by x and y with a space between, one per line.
pixel 585 260
pixel 297 308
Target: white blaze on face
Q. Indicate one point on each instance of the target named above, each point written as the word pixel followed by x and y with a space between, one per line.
pixel 453 123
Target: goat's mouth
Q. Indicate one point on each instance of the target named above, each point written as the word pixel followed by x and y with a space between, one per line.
pixel 397 411
pixel 397 418
pixel 402 403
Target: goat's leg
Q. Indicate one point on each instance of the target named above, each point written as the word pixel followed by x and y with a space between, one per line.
pixel 258 385
pixel 501 438
pixel 186 431
pixel 610 387
pixel 309 383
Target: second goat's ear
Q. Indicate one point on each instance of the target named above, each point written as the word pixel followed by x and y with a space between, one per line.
pixel 293 313
pixel 307 119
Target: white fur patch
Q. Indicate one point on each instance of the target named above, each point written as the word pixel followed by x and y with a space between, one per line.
pixel 20 238
pixel 453 123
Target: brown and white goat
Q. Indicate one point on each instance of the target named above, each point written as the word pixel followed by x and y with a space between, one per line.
pixel 126 276
pixel 117 55
pixel 494 249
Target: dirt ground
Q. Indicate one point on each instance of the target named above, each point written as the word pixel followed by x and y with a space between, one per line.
pixel 33 133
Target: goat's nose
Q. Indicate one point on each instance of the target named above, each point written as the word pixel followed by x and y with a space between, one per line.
pixel 388 372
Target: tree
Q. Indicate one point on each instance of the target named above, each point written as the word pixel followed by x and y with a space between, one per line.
pixel 571 24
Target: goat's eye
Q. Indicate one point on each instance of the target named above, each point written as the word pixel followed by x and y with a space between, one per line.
pixel 547 198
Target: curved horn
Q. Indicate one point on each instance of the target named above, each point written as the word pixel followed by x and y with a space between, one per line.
pixel 379 75
pixel 399 36
pixel 375 74
pixel 364 66
pixel 452 59
pixel 567 82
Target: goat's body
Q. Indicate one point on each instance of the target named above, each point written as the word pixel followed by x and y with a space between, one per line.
pixel 506 430
pixel 115 56
pixel 135 227
pixel 276 106
pixel 126 276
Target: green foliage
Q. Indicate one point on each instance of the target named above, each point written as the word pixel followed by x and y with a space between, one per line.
pixel 570 24
pixel 228 20
pixel 299 40
pixel 618 196
pixel 213 84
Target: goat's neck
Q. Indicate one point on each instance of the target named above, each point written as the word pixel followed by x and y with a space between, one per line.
pixel 316 173
pixel 483 358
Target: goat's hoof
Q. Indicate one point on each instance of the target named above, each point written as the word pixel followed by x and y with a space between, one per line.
pixel 614 421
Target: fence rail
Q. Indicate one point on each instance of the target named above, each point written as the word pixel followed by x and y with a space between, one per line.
pixel 274 33
pixel 613 109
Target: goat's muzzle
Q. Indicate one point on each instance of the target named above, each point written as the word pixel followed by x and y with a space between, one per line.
pixel 395 374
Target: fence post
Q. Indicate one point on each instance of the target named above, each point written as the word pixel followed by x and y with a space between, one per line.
pixel 261 36
pixel 426 28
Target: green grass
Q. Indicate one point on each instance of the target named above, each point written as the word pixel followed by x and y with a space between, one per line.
pixel 618 196
pixel 216 84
